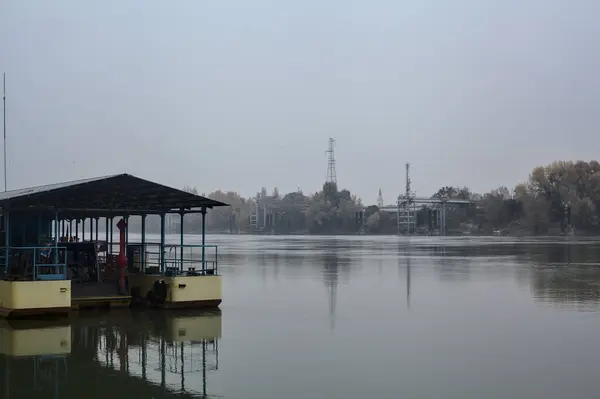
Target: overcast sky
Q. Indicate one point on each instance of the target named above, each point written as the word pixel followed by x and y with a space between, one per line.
pixel 241 94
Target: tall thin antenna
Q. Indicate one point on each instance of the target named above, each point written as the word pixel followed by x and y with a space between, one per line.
pixel 409 214
pixel 407 181
pixel 4 106
pixel 331 175
pixel 380 199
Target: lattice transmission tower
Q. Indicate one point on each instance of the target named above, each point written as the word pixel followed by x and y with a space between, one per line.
pixel 331 175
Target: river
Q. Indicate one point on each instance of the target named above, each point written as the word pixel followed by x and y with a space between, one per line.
pixel 341 317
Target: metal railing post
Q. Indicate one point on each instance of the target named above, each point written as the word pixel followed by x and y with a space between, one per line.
pixel 56 237
pixel 34 264
pixel 162 244
pixel 181 238
pixel 6 240
pixel 203 240
pixel 143 250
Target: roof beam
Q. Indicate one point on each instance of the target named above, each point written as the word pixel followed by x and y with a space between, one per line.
pixel 119 193
pixel 79 212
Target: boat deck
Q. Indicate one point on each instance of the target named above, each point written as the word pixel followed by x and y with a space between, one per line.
pixel 97 296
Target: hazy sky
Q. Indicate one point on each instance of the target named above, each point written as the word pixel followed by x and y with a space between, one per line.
pixel 241 94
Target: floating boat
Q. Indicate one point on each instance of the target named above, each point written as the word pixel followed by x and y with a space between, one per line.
pixel 46 272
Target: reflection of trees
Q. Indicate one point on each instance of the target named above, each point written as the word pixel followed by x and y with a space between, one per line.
pixel 562 273
pixel 566 284
pixel 450 261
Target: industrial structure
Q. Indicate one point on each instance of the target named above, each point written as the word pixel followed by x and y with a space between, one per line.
pixel 262 211
pixel 407 206
pixel 267 215
pixel 265 212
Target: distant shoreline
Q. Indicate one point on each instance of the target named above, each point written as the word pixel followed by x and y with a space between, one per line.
pixel 581 234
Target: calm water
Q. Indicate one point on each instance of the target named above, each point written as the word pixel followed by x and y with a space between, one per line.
pixel 327 317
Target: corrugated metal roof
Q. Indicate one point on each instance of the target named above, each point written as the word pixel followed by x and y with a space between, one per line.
pixel 21 192
pixel 108 193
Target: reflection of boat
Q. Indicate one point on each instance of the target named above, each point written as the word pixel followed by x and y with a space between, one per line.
pixel 164 349
pixel 185 325
pixel 35 349
pixel 22 338
pixel 138 354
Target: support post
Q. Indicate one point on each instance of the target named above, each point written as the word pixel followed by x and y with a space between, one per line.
pixel 111 235
pixel 76 229
pixel 143 250
pixel 6 240
pixel 203 240
pixel 23 233
pixel 181 240
pixel 39 229
pixel 70 229
pixel 98 279
pixel 83 230
pixel 56 238
pixel 162 243
pixel 126 232
pixel 122 258
pixel 106 233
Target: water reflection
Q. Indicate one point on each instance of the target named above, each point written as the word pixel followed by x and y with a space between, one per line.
pixel 121 355
pixel 566 274
pixel 298 311
pixel 299 308
pixel 404 268
pixel 557 269
pixel 408 283
pixel 330 278
pixel 38 351
pixel 560 271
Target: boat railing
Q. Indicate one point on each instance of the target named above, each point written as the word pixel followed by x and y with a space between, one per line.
pixel 37 263
pixel 178 260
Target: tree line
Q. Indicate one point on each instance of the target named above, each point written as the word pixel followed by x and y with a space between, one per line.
pixel 554 197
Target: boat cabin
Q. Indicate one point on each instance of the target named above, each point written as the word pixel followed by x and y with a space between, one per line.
pixel 47 263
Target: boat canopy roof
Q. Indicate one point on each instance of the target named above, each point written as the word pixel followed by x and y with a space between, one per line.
pixel 121 194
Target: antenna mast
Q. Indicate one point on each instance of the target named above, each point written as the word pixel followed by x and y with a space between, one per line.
pixel 4 106
pixel 407 182
pixel 380 199
pixel 331 175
